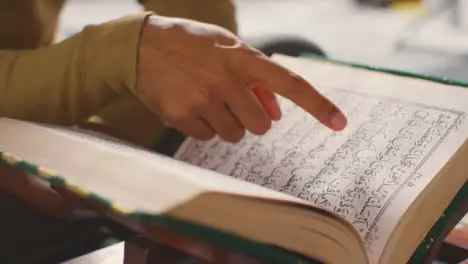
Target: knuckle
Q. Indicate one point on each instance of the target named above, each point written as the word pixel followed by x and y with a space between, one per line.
pixel 243 48
pixel 234 136
pixel 208 135
pixel 218 77
pixel 177 112
pixel 239 135
pixel 199 102
pixel 197 105
pixel 261 127
pixel 298 86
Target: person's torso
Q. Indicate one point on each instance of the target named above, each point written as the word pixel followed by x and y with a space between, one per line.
pixel 28 24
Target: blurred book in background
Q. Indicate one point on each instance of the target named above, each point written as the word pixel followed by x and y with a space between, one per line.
pixel 396 4
pixel 462 14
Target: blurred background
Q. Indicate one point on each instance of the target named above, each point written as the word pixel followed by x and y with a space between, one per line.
pixel 428 36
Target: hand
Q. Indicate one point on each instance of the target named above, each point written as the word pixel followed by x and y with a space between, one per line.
pixel 203 81
pixel 34 192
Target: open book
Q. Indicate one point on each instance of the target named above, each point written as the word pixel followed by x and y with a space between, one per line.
pixel 381 191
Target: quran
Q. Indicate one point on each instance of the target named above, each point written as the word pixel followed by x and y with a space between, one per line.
pixel 387 189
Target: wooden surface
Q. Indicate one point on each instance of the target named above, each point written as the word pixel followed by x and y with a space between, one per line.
pixel 455 250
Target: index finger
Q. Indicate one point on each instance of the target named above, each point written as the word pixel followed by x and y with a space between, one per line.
pixel 288 84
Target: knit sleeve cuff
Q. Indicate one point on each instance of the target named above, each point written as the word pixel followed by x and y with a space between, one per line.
pixel 111 52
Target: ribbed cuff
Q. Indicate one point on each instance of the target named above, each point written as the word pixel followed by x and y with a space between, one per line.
pixel 112 52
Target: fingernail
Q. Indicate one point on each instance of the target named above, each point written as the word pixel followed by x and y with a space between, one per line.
pixel 338 121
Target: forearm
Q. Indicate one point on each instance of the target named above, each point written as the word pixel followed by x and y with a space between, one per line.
pixel 68 82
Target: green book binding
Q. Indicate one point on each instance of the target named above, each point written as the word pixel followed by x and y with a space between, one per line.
pixel 269 254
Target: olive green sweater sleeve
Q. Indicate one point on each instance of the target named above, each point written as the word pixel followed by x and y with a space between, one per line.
pixel 217 12
pixel 68 82
pixel 86 80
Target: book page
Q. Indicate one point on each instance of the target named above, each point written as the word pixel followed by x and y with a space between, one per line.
pixel 369 173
